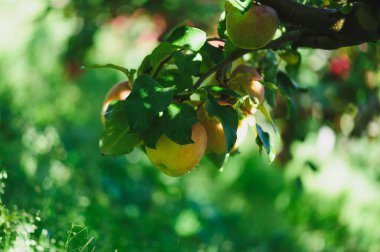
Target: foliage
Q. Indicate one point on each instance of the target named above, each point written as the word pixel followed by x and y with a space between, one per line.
pixel 320 194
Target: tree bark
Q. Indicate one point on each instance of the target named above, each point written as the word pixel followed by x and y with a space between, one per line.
pixel 330 28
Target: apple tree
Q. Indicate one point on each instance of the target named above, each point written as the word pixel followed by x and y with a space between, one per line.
pixel 195 95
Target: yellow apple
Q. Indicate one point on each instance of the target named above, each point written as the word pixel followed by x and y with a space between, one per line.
pixel 175 159
pixel 216 142
pixel 253 29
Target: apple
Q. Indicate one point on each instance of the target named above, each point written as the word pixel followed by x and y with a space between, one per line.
pixel 253 29
pixel 248 107
pixel 247 78
pixel 175 159
pixel 119 91
pixel 216 142
pixel 340 66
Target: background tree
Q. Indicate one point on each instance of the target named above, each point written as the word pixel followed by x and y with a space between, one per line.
pixel 59 193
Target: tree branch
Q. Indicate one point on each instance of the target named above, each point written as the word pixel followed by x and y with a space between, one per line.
pixel 288 37
pixel 329 28
pixel 312 18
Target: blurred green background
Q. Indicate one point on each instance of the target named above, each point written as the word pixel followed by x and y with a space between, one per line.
pixel 58 193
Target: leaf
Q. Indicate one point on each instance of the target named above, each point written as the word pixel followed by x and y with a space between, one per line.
pixel 229 48
pixel 168 34
pixel 146 100
pixel 298 185
pixel 222 26
pixel 346 8
pixel 241 5
pixel 269 65
pixel 262 139
pixel 293 69
pixel 173 77
pixel 291 56
pixel 264 110
pixel 311 165
pixel 288 99
pixel 188 37
pixel 161 53
pixel 182 82
pixel 287 84
pixel 112 66
pixel 274 87
pixel 227 116
pixel 177 122
pixel 187 64
pixel 214 53
pixel 218 160
pixel 271 97
pixel 290 109
pixel 219 89
pixel 117 138
pixel 270 85
pixel 153 133
pixel 145 66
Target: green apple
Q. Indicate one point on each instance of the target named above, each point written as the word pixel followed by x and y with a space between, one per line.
pixel 253 29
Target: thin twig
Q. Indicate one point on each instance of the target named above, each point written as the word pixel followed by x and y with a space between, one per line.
pixel 288 37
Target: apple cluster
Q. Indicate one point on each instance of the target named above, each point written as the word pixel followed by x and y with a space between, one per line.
pixel 207 134
pixel 188 99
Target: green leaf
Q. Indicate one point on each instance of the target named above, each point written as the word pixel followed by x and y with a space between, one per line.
pixel 290 56
pixel 298 185
pixel 117 138
pixel 241 5
pixel 218 160
pixel 287 84
pixel 263 139
pixel 290 109
pixel 153 133
pixel 210 57
pixel 288 99
pixel 312 165
pixel 161 53
pixel 188 37
pixel 293 59
pixel 173 77
pixel 187 64
pixel 264 110
pixel 182 82
pixel 214 53
pixel 222 26
pixel 146 100
pixel 145 66
pixel 274 87
pixel 346 8
pixel 268 64
pixel 177 122
pixel 168 34
pixel 227 116
pixel 219 89
pixel 229 48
